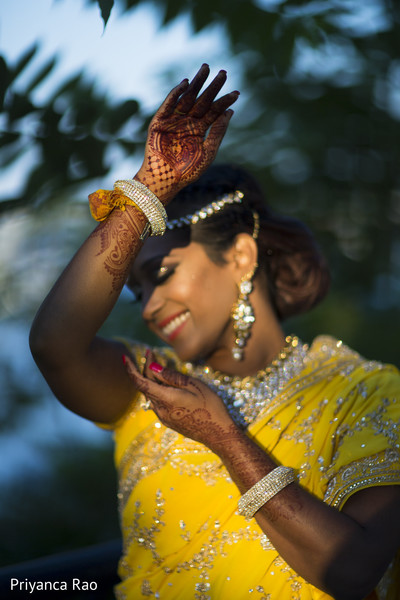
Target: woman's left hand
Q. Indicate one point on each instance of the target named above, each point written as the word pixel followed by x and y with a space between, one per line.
pixel 184 404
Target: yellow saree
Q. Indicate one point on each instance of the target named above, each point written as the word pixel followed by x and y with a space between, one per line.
pixel 335 419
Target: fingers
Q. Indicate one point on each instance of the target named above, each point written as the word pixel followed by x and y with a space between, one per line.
pixel 183 98
pixel 150 389
pixel 156 381
pixel 169 104
pixel 187 91
pixel 167 376
pixel 189 96
pixel 205 104
pixel 131 368
pixel 216 134
pixel 150 358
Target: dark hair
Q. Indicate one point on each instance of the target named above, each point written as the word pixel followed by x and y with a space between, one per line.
pixel 296 272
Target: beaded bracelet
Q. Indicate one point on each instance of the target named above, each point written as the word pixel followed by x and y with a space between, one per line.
pixel 264 490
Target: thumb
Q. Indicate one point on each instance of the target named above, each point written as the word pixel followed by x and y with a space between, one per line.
pixel 217 132
pixel 148 387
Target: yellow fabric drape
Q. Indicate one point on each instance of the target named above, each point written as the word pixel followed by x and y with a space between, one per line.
pixel 337 423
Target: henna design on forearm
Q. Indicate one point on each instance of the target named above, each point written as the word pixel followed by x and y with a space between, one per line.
pixel 119 240
pixel 247 465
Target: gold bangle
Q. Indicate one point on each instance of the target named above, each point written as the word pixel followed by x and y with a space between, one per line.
pixel 264 490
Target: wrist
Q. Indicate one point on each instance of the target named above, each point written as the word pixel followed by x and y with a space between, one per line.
pixel 228 442
pixel 245 460
pixel 163 193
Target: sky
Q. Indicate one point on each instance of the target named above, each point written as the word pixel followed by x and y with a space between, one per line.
pixel 126 58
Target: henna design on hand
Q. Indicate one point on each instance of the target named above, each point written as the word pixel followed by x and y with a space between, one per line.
pixel 178 148
pixel 119 240
pixel 185 404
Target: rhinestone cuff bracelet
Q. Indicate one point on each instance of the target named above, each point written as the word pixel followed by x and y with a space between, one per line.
pixel 148 203
pixel 264 490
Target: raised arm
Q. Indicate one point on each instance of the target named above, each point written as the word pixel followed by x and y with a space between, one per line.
pixel 85 371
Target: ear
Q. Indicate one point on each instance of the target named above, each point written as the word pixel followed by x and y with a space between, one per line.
pixel 242 255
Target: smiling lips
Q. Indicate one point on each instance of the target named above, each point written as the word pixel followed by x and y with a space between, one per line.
pixel 172 325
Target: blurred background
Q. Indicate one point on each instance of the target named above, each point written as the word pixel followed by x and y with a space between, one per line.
pixel 318 121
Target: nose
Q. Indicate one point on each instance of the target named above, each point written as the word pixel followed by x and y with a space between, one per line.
pixel 152 302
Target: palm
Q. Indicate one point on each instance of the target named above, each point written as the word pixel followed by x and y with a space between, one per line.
pixel 178 142
pixel 178 148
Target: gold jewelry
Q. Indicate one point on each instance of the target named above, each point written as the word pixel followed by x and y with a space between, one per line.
pixel 243 315
pixel 148 203
pixel 264 490
pixel 206 211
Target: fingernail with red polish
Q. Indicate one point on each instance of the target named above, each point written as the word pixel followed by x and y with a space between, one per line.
pixel 147 354
pixel 124 359
pixel 155 367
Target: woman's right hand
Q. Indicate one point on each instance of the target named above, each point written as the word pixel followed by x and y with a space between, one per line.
pixel 185 404
pixel 178 149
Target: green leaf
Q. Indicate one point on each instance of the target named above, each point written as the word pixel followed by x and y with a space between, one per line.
pixel 68 86
pixel 172 9
pixel 19 106
pixel 41 75
pixel 4 80
pixel 113 120
pixel 105 9
pixel 23 61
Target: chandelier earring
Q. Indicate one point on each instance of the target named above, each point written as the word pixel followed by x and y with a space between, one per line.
pixel 242 311
pixel 243 315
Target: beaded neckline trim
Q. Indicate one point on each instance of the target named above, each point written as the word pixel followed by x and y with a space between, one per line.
pixel 246 397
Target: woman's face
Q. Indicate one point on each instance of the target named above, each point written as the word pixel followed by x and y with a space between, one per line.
pixel 186 298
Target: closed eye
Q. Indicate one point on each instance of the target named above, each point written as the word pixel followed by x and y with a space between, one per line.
pixel 158 277
pixel 163 274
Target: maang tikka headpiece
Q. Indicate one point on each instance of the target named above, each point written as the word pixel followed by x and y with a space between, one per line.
pixel 206 211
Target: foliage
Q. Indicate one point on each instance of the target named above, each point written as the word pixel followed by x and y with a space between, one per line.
pixel 72 134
